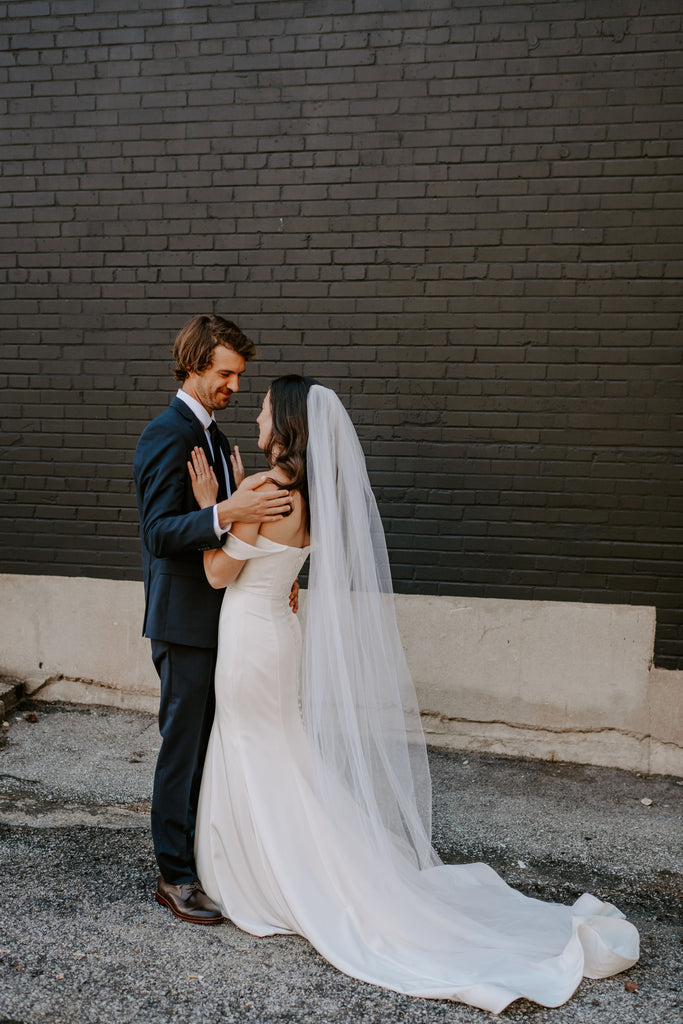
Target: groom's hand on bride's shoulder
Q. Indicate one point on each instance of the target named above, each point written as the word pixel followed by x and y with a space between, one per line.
pixel 253 503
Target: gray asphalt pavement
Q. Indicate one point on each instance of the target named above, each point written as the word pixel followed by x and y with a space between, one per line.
pixel 82 939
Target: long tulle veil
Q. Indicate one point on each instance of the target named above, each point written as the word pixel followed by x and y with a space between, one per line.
pixel 359 703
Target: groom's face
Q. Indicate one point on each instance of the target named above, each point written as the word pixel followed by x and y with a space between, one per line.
pixel 214 386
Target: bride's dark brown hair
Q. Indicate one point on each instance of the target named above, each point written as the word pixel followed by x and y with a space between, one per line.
pixel 286 448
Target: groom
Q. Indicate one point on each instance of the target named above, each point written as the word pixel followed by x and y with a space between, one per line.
pixel 181 609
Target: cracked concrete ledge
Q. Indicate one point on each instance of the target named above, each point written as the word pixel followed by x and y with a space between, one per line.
pixel 542 679
pixel 90 691
pixel 12 692
pixel 609 748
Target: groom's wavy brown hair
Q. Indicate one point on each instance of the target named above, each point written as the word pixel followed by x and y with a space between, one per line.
pixel 194 346
pixel 288 441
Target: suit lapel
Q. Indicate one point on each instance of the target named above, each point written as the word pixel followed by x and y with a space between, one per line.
pixel 202 440
pixel 197 429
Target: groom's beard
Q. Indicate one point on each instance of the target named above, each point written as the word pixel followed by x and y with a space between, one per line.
pixel 217 400
pixel 223 400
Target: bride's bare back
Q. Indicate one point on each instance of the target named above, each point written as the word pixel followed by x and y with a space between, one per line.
pixel 293 529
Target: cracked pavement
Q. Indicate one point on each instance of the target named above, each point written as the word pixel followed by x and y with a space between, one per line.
pixel 82 939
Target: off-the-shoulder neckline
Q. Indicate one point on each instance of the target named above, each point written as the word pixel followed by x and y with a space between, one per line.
pixel 276 543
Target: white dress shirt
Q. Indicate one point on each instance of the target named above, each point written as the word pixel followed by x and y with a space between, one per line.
pixel 205 419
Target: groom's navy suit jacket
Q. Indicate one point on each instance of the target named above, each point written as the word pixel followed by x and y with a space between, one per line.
pixel 180 606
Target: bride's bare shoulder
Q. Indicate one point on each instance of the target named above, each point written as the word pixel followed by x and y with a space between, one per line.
pixel 293 528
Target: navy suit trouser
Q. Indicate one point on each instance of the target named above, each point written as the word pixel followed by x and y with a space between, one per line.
pixel 186 713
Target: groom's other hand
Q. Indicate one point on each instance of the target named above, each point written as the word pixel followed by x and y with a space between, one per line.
pixel 249 505
pixel 294 597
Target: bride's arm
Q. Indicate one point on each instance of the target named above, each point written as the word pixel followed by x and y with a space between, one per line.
pixel 221 568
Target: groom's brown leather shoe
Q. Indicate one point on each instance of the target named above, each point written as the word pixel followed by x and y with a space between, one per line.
pixel 188 901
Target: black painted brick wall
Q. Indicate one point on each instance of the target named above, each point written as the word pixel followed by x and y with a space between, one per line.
pixel 465 216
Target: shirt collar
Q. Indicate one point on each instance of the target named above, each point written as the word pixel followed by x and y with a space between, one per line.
pixel 196 407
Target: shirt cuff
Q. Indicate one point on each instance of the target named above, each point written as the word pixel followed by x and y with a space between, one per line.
pixel 217 529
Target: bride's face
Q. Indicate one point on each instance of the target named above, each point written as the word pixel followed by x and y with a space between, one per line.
pixel 265 423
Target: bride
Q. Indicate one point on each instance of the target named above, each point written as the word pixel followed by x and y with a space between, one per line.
pixel 314 812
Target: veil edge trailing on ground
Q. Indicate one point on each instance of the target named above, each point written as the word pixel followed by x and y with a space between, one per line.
pixel 359 703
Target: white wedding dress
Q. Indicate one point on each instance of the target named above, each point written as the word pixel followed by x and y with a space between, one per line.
pixel 280 860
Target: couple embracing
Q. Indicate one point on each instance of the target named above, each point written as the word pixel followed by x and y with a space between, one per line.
pixel 292 777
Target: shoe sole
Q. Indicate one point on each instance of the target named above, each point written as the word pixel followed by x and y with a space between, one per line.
pixel 186 917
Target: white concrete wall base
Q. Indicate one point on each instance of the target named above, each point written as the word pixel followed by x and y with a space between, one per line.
pixel 546 679
pixel 87 691
pixel 553 680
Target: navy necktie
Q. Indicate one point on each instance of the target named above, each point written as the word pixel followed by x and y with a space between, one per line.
pixel 218 461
